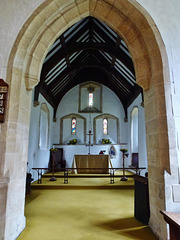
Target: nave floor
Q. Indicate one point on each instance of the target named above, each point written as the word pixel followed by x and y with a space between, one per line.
pixel 96 210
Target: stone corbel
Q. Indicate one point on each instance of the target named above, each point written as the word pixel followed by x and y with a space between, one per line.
pixel 30 83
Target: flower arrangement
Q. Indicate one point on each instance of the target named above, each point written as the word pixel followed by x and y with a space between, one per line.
pixel 73 141
pixel 106 141
pixel 123 150
pixel 53 150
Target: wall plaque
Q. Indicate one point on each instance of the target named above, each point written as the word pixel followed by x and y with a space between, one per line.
pixel 3 99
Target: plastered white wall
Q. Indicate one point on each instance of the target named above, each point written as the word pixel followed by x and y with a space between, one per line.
pixel 166 15
pixel 69 104
pixel 36 156
pixel 141 132
pixel 111 105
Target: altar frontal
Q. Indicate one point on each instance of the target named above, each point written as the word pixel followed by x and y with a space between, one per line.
pixel 92 161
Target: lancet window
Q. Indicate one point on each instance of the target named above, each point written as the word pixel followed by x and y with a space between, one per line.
pixel 90 99
pixel 105 126
pixel 73 126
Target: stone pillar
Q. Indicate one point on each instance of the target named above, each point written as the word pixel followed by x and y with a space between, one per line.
pixel 14 163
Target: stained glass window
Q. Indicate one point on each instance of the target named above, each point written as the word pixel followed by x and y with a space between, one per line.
pixel 90 99
pixel 105 126
pixel 73 126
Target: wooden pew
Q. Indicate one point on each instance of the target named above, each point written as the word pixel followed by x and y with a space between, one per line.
pixel 173 219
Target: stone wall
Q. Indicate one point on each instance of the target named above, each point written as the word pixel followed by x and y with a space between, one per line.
pixel 27 33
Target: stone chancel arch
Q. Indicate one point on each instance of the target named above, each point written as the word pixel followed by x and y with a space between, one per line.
pixel 139 32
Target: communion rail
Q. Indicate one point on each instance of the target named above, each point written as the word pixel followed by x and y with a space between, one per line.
pixel 111 173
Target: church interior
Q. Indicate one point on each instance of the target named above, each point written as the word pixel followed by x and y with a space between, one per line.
pixel 87 102
pixel 89 120
pixel 87 88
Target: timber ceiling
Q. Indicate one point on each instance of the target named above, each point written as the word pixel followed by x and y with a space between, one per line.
pixel 88 51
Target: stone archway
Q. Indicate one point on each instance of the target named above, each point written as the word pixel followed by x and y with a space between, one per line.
pixel 139 32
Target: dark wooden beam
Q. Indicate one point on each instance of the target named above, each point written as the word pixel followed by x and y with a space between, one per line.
pixel 79 33
pixel 36 93
pixel 92 67
pixel 49 99
pixel 97 76
pixel 134 93
pixel 67 51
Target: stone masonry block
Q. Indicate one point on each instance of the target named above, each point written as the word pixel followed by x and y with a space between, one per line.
pixel 149 96
pixel 36 25
pixel 161 191
pixel 156 174
pixel 59 26
pixel 162 123
pixel 49 12
pixel 2 227
pixel 132 35
pixel 116 20
pixel 136 44
pixel 125 7
pixel 150 111
pixel 124 26
pixel 158 84
pixel 137 17
pixel 26 39
pixel 68 7
pixel 172 177
pixel 72 15
pixel 64 4
pixel 47 37
pixel 153 187
pixel 92 5
pixel 144 81
pixel 163 158
pixel 83 7
pixel 142 65
pixel 176 193
pixel 34 69
pixel 156 60
pixel 102 9
pixel 19 58
pixel 31 82
pixel 152 126
pixel 40 50
pixel 168 194
pixel 153 157
pixel 111 2
pixel 149 38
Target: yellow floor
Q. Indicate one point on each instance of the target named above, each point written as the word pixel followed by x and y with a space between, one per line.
pixel 84 209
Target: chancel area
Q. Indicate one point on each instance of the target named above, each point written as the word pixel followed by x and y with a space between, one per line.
pixel 87 115
pixel 87 100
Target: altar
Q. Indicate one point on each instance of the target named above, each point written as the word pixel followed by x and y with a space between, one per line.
pixel 92 161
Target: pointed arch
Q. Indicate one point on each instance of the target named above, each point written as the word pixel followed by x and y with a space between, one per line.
pixel 141 35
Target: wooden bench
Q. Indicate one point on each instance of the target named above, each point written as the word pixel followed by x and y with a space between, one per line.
pixel 173 219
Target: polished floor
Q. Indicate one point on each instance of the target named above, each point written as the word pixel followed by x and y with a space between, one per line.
pixel 83 209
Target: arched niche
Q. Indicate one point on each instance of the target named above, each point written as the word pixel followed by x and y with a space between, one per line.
pixel 134 130
pixel 44 127
pixel 70 116
pixel 108 117
pixel 134 140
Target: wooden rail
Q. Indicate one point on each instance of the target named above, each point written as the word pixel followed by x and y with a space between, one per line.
pixel 110 171
pixel 173 219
